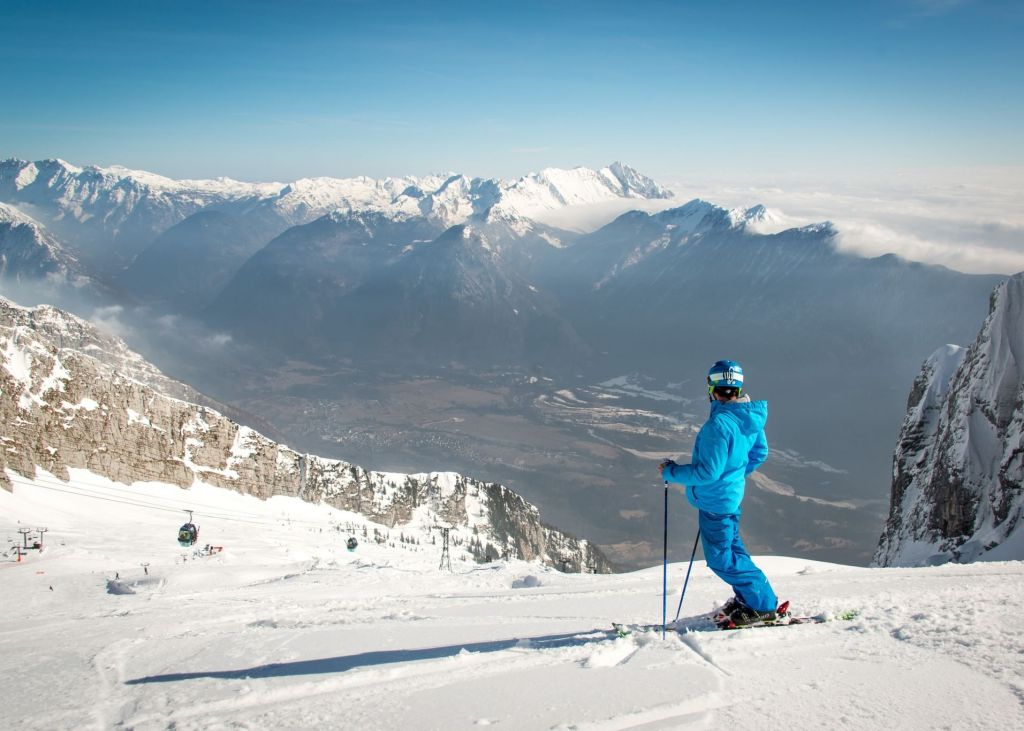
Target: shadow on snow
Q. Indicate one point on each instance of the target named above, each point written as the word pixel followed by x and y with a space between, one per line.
pixel 343 663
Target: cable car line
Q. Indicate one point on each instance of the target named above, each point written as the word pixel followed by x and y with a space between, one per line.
pixel 119 490
pixel 83 491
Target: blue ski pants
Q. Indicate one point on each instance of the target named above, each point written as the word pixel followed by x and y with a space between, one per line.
pixel 728 558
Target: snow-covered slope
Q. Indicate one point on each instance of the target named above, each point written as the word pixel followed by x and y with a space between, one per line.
pixel 63 408
pixel 959 466
pixel 112 625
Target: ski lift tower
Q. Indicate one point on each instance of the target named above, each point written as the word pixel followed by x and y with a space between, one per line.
pixel 446 559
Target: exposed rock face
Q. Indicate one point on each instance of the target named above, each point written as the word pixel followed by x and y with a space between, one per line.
pixel 959 466
pixel 71 396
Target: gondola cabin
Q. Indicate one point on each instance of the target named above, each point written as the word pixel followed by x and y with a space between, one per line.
pixel 188 534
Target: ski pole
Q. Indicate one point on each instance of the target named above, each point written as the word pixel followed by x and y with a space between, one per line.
pixel 688 569
pixel 664 570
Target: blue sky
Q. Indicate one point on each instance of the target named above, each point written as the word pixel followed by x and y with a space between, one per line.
pixel 276 91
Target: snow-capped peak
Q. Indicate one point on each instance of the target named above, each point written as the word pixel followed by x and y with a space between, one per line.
pixel 696 215
pixel 758 214
pixel 635 185
pixel 756 218
pixel 56 162
pixel 555 188
pixel 700 215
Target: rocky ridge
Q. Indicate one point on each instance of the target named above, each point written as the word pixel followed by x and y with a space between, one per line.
pixel 959 465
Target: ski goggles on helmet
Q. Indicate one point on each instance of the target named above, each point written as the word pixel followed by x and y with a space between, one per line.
pixel 727 381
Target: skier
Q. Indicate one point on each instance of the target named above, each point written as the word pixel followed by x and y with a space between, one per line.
pixel 730 446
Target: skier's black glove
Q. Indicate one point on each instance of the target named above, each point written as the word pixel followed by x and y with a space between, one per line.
pixel 664 464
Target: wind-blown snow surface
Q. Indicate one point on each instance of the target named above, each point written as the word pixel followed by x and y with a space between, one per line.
pixel 285 628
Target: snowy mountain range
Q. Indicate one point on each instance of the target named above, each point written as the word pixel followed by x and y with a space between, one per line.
pixel 107 215
pixel 65 408
pixel 113 214
pixel 959 466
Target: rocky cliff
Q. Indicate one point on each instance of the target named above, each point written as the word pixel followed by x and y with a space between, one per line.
pixel 959 464
pixel 71 396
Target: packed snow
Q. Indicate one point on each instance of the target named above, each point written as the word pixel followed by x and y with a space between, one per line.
pixel 271 622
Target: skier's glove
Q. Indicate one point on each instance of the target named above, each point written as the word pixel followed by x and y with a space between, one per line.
pixel 664 464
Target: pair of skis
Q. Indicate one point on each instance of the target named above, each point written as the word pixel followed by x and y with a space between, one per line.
pixel 706 623
pixel 783 618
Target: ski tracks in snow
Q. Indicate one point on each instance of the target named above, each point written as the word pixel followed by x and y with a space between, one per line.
pixel 109 664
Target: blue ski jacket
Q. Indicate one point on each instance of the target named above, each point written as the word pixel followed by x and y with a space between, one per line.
pixel 730 446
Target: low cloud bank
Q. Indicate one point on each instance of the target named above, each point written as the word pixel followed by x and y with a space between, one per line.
pixel 971 220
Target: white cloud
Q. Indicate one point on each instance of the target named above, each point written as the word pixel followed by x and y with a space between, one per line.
pixel 971 220
pixel 177 328
pixel 592 216
pixel 109 320
pixel 217 340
